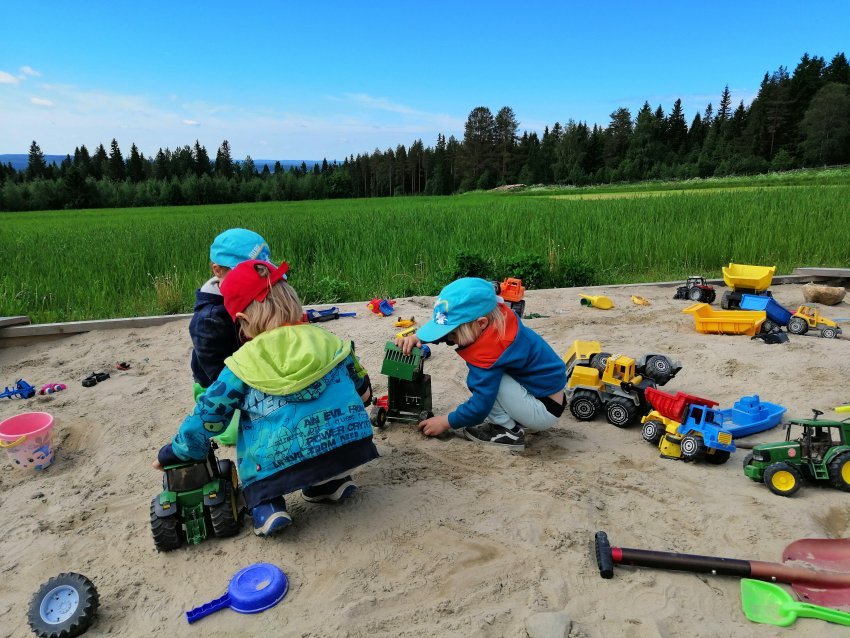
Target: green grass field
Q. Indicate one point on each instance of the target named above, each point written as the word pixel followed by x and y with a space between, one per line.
pixel 69 265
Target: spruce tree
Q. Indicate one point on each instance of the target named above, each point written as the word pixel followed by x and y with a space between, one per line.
pixel 36 167
pixel 117 170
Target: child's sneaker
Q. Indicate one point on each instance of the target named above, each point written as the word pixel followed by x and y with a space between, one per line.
pixel 493 434
pixel 333 491
pixel 270 517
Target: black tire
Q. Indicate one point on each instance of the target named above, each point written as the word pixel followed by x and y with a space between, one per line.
pixel 599 360
pixel 585 405
pixel 717 457
pixel 378 417
pixel 839 472
pixel 829 333
pixel 782 479
pixel 768 326
pixel 695 294
pixel 797 326
pixel 711 297
pixel 425 414
pixel 692 448
pixel 724 300
pixel 167 532
pixel 681 293
pixel 225 517
pixel 620 412
pixel 659 369
pixel 652 431
pixel 63 607
pixel 519 308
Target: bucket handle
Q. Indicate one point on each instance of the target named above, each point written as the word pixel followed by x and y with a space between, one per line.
pixel 4 444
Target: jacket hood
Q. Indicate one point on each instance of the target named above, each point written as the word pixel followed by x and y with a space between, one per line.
pixel 288 359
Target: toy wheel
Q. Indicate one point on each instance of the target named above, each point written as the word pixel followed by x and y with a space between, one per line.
pixel 599 360
pixel 797 326
pixel 620 412
pixel 717 457
pixel 747 460
pixel 695 294
pixel 782 479
pixel 63 607
pixel 378 417
pixel 652 432
pixel 225 515
pixel 768 326
pixel 659 369
pixel 828 333
pixel 425 414
pixel 839 472
pixel 692 448
pixel 585 405
pixel 711 296
pixel 166 531
pixel 724 300
pixel 519 308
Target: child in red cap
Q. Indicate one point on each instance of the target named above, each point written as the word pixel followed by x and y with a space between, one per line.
pixel 301 392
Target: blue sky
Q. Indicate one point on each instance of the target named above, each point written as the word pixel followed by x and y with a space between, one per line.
pixel 308 80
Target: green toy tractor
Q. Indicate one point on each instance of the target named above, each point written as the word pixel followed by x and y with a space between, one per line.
pixel 199 498
pixel 408 397
pixel 816 455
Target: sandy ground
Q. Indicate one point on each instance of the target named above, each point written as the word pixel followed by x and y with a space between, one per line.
pixel 446 537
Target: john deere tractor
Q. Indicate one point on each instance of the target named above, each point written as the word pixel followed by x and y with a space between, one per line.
pixel 408 397
pixel 822 453
pixel 199 498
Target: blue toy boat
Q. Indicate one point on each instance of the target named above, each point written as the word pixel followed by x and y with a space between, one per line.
pixel 750 415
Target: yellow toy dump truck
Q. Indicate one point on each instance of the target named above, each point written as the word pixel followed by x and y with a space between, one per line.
pixel 808 318
pixel 597 379
pixel 725 322
pixel 745 280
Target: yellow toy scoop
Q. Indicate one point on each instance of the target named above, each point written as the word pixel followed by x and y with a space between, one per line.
pixel 597 301
pixel 640 301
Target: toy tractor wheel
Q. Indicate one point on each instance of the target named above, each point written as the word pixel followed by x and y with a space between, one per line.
pixel 724 300
pixel 782 479
pixel 681 293
pixel 797 326
pixel 768 326
pixel 839 472
pixel 692 448
pixel 599 360
pixel 584 405
pixel 747 460
pixel 711 297
pixel 695 294
pixel 652 432
pixel 828 333
pixel 659 369
pixel 519 308
pixel 166 531
pixel 63 607
pixel 225 515
pixel 425 414
pixel 620 412
pixel 378 417
pixel 717 457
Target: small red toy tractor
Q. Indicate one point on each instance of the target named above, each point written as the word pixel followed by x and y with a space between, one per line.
pixel 512 291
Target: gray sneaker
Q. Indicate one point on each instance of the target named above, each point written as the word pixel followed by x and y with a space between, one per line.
pixel 492 434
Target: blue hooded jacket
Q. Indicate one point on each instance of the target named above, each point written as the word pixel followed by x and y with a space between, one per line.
pixel 213 334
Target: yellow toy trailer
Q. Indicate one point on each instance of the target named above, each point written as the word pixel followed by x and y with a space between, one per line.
pixel 808 318
pixel 725 322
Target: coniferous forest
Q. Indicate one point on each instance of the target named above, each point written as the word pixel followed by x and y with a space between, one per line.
pixel 797 119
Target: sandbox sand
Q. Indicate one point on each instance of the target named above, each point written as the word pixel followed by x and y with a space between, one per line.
pixel 446 537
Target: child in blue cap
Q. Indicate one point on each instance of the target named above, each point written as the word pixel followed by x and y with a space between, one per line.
pixel 213 332
pixel 516 379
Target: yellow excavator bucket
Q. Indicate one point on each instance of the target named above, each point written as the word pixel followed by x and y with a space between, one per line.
pixel 597 301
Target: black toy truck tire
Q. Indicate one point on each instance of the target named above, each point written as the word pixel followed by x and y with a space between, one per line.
pixel 836 476
pixel 620 412
pixel 652 431
pixel 167 532
pixel 599 360
pixel 782 467
pixel 692 448
pixel 659 369
pixel 584 405
pixel 797 326
pixel 378 417
pixel 717 457
pixel 768 326
pixel 225 516
pixel 78 620
pixel 828 333
pixel 695 294
pixel 724 300
pixel 711 297
pixel 425 414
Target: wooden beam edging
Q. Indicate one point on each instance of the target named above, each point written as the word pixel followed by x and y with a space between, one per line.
pixel 76 327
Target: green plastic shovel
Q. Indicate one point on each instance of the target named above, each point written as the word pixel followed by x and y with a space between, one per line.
pixel 770 604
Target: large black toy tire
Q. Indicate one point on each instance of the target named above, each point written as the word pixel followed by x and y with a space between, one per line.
pixel 166 531
pixel 797 326
pixel 584 405
pixel 378 417
pixel 659 369
pixel 652 431
pixel 692 448
pixel 620 412
pixel 724 300
pixel 77 616
pixel 711 297
pixel 599 360
pixel 225 516
pixel 695 294
pixel 425 414
pixel 837 476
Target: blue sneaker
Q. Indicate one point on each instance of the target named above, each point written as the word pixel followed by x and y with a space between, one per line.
pixel 331 492
pixel 270 517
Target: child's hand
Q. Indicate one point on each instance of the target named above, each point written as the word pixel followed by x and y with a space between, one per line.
pixel 435 426
pixel 408 343
pixel 156 465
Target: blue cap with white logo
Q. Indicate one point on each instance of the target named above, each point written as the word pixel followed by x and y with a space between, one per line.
pixel 460 302
pixel 236 245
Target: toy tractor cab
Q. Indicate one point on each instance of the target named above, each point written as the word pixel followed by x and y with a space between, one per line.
pixel 822 453
pixel 696 290
pixel 408 397
pixel 199 498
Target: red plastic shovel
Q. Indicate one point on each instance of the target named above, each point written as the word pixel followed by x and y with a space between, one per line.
pixel 818 569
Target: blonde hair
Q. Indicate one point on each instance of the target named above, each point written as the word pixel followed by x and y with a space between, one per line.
pixel 468 332
pixel 280 307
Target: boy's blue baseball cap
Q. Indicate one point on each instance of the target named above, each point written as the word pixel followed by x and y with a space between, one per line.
pixel 236 245
pixel 460 302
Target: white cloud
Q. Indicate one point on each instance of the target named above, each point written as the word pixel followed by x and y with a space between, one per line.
pixel 28 70
pixel 191 123
pixel 39 101
pixel 8 78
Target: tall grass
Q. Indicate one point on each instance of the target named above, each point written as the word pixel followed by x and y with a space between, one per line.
pixel 67 265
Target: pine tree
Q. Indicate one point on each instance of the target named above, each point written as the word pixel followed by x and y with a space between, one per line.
pixel 36 167
pixel 677 129
pixel 135 166
pixel 506 139
pixel 116 171
pixel 223 160
pixel 478 144
pixel 724 110
pixel 203 166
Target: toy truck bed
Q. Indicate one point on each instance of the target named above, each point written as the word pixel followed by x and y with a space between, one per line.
pixel 777 313
pixel 740 276
pixel 727 322
pixel 673 406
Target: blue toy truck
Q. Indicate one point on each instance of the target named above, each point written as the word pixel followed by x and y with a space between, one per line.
pixel 777 315
pixel 21 389
pixel 701 436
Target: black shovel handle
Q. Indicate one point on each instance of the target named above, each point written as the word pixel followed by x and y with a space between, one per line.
pixel 607 556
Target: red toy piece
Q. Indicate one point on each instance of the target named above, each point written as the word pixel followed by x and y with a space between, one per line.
pixel 50 388
pixel 383 307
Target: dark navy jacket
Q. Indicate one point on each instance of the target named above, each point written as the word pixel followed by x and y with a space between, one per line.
pixel 213 335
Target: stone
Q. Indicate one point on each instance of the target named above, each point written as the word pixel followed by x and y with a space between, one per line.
pixel 548 624
pixel 829 295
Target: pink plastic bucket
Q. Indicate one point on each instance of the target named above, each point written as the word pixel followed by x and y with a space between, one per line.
pixel 28 440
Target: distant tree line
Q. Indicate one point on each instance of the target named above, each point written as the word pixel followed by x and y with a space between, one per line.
pixel 796 120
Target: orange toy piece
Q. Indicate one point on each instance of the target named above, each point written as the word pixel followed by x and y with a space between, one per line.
pixel 511 289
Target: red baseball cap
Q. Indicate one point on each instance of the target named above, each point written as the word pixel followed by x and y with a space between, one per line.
pixel 244 284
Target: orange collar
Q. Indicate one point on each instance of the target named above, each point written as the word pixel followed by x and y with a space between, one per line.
pixel 487 349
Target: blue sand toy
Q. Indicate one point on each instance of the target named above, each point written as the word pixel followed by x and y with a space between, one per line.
pixel 251 590
pixel 22 389
pixel 750 415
